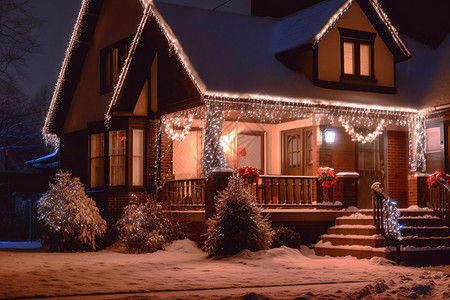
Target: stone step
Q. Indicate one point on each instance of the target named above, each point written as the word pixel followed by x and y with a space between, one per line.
pixel 430 221
pixel 423 255
pixel 324 249
pixel 353 229
pixel 442 231
pixel 361 240
pixel 416 213
pixel 353 221
pixel 426 241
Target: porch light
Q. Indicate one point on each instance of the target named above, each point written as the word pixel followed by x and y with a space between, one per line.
pixel 330 136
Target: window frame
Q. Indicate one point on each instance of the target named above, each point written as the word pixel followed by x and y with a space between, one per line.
pixel 357 38
pixel 123 47
pixel 125 155
pixel 91 158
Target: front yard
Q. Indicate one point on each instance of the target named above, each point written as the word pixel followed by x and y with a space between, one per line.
pixel 182 271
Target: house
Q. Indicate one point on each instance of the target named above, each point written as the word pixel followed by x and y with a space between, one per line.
pixel 153 97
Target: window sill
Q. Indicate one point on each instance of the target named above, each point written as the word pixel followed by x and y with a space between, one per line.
pixel 358 79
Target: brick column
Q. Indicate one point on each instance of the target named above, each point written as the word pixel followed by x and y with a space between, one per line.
pixel 418 189
pixel 348 188
pixel 216 183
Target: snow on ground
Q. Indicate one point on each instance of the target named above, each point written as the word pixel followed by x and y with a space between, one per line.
pixel 182 271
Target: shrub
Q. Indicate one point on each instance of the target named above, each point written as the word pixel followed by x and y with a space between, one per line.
pixel 238 223
pixel 71 220
pixel 287 237
pixel 144 227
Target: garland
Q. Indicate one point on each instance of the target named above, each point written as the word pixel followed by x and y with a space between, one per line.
pixel 359 137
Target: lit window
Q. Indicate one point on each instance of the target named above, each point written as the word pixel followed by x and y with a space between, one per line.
pixel 357 54
pixel 364 59
pixel 117 142
pixel 348 58
pixel 96 155
pixel 138 157
pixel 111 62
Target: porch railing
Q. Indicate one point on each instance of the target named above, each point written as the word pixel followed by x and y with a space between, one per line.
pixel 187 193
pixel 280 190
pixel 385 217
pixel 440 201
pixel 271 191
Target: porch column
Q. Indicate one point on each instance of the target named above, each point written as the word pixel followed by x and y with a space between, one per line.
pixel 418 189
pixel 215 166
pixel 216 183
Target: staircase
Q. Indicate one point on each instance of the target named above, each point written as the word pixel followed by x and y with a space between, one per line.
pixel 425 238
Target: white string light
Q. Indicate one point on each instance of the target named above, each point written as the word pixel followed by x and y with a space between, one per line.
pixel 359 137
pixel 390 219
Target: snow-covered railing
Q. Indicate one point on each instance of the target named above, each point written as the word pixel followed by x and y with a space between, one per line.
pixel 385 217
pixel 186 193
pixel 440 200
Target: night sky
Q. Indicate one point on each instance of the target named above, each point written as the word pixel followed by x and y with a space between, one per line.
pixel 58 18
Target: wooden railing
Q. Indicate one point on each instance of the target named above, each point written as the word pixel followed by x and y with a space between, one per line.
pixel 274 190
pixel 187 193
pixel 271 191
pixel 384 215
pixel 440 200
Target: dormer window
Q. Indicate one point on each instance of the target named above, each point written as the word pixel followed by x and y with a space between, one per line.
pixel 111 62
pixel 357 55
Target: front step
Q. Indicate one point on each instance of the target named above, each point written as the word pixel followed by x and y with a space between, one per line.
pixel 353 229
pixel 442 231
pixel 425 239
pixel 428 220
pixel 374 241
pixel 433 241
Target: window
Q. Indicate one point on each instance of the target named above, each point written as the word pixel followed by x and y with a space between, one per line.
pixel 96 160
pixel 111 62
pixel 309 147
pixel 138 157
pixel 357 55
pixel 117 142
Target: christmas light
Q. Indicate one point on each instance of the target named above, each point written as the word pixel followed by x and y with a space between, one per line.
pixel 359 137
pixel 170 131
pixel 390 219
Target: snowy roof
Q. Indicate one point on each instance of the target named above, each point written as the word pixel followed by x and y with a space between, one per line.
pixel 301 28
pixel 235 54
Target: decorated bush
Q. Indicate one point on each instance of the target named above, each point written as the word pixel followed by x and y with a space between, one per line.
pixel 71 220
pixel 144 227
pixel 238 223
pixel 284 236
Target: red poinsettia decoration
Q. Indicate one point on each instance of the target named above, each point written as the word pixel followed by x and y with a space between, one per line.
pixel 249 174
pixel 327 177
pixel 433 179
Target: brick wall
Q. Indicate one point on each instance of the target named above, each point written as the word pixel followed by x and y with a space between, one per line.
pixel 398 166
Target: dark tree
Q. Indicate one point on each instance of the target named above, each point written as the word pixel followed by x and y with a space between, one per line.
pixel 238 223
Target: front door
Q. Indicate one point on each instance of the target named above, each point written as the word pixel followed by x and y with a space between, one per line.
pixel 371 169
pixel 297 151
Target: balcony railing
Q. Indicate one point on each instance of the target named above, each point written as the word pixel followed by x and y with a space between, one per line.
pixel 440 201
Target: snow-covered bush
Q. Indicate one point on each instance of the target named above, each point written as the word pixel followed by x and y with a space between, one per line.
pixel 70 218
pixel 144 227
pixel 284 236
pixel 238 223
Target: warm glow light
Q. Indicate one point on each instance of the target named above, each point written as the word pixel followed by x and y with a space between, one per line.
pixel 330 136
pixel 226 141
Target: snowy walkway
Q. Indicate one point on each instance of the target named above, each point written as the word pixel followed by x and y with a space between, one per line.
pixel 183 272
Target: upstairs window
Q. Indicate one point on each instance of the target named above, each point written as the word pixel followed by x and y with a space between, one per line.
pixel 111 63
pixel 357 55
